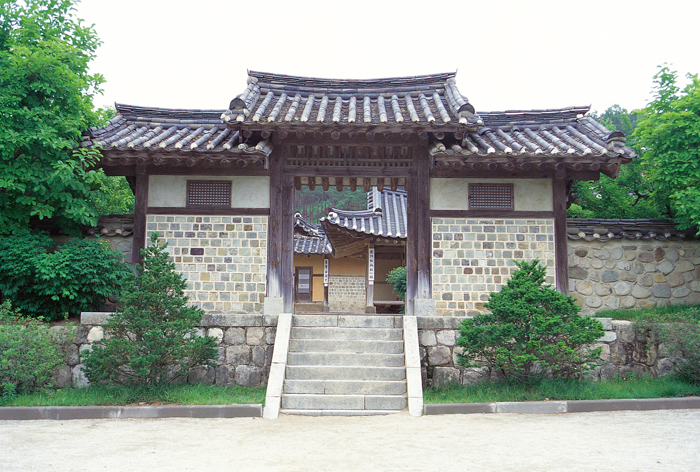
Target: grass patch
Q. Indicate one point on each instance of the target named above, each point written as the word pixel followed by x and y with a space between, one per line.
pixel 663 314
pixel 646 387
pixel 195 394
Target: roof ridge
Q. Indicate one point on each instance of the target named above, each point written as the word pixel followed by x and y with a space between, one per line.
pixel 266 77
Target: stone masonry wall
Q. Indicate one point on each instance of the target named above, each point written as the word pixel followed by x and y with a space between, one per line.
pixel 474 257
pixel 223 258
pixel 245 341
pixel 624 351
pixel 633 274
pixel 347 293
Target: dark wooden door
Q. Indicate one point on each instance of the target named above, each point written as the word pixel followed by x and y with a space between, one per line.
pixel 304 284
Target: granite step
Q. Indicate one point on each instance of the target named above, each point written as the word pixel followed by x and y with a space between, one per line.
pixel 345 359
pixel 346 346
pixel 346 387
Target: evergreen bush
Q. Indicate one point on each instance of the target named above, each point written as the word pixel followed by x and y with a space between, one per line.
pixel 531 332
pixel 30 352
pixel 152 338
pixel 397 279
pixel 78 276
pixel 682 342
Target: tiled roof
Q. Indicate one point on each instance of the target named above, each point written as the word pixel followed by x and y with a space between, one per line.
pixel 112 225
pixel 309 238
pixel 427 100
pixel 564 133
pixel 385 216
pixel 171 130
pixel 599 229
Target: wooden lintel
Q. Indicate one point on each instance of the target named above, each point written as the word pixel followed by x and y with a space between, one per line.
pixel 501 215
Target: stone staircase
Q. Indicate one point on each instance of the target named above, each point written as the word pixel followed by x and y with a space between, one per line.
pixel 340 364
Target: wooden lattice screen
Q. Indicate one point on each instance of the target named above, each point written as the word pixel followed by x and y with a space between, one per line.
pixel 490 196
pixel 208 193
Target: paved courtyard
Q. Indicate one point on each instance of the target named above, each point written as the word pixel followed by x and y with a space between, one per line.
pixel 616 441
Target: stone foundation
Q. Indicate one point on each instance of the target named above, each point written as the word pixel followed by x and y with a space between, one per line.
pixel 246 343
pixel 624 350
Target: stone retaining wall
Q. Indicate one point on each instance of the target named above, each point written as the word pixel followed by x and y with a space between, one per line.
pixel 633 274
pixel 623 351
pixel 245 341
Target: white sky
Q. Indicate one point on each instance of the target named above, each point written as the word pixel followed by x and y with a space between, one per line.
pixel 513 54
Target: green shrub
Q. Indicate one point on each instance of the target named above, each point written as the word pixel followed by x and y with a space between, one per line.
pixel 30 351
pixel 682 342
pixel 152 339
pixel 77 277
pixel 532 332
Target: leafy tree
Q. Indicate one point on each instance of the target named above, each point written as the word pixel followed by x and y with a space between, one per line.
pixel 46 95
pixel 151 340
pixel 314 204
pixel 668 136
pixel 531 332
pixel 632 194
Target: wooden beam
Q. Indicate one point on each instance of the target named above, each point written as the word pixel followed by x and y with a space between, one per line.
pixel 140 212
pixel 208 211
pixel 490 214
pixel 560 251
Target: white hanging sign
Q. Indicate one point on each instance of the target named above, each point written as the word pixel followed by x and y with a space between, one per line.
pixel 325 272
pixel 370 266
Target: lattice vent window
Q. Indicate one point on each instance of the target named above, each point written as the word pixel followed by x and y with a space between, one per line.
pixel 208 193
pixel 491 196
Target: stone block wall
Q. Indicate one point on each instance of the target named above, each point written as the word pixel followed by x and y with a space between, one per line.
pixel 472 258
pixel 347 293
pixel 223 258
pixel 246 342
pixel 633 274
pixel 624 351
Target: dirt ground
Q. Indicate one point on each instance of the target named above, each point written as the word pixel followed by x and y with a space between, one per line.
pixel 616 441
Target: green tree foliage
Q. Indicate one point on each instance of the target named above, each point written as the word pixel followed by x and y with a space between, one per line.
pixel 151 340
pixel 631 194
pixel 668 136
pixel 313 205
pixel 30 351
pixel 46 98
pixel 532 331
pixel 44 283
pixel 397 279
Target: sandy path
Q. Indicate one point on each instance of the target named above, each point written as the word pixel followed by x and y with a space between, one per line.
pixel 618 441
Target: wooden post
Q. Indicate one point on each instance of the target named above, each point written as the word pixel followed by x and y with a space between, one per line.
pixel 273 300
pixel 369 281
pixel 140 210
pixel 561 258
pixel 419 240
pixel 287 235
pixel 326 277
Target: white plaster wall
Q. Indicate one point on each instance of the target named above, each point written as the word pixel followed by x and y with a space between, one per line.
pixel 171 190
pixel 529 194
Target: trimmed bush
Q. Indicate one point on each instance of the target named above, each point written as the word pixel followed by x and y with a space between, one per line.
pixel 30 352
pixel 77 276
pixel 532 332
pixel 152 338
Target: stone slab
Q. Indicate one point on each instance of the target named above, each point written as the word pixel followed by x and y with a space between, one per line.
pixel 104 412
pixel 232 319
pixel 439 322
pixel 94 317
pixel 581 406
pixel 530 408
pixel 424 307
pixel 273 305
pixel 459 408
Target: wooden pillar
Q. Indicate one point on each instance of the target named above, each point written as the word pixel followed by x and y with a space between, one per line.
pixel 140 211
pixel 280 239
pixel 287 234
pixel 326 280
pixel 369 280
pixel 561 258
pixel 419 240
